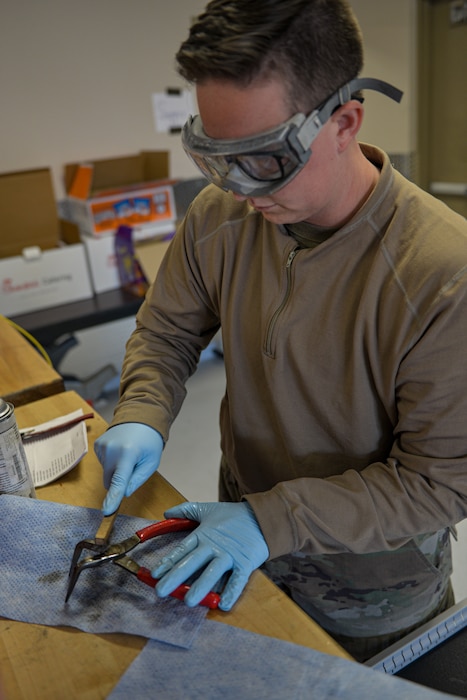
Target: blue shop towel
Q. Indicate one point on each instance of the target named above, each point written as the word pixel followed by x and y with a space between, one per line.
pixel 229 663
pixel 37 543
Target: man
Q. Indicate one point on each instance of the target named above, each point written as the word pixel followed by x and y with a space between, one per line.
pixel 341 292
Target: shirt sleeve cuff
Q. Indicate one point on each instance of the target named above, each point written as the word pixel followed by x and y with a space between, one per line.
pixel 275 522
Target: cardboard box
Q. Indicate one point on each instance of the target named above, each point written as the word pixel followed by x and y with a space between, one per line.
pixel 43 263
pixel 150 255
pixel 130 190
pixel 103 264
pixel 40 279
pixel 28 212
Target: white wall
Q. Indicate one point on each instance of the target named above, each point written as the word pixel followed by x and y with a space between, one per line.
pixel 389 33
pixel 76 78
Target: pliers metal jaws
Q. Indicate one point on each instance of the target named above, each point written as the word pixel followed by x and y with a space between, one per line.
pixel 116 553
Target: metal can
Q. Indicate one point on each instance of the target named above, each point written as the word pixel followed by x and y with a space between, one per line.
pixel 15 475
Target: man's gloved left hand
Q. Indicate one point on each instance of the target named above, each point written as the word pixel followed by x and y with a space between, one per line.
pixel 228 538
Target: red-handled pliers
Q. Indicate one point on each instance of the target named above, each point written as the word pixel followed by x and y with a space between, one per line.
pixel 116 553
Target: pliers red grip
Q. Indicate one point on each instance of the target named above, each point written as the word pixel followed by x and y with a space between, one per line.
pixel 116 553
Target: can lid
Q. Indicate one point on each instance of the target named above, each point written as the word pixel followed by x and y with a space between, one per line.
pixel 4 409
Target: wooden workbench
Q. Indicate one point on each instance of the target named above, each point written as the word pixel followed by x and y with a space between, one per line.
pixel 25 376
pixel 53 663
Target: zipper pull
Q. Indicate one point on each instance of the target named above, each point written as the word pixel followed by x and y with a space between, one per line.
pixel 292 254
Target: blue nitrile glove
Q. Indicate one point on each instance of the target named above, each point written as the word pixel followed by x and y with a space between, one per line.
pixel 129 453
pixel 227 539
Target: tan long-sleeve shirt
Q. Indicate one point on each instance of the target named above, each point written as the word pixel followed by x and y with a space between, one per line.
pixel 344 421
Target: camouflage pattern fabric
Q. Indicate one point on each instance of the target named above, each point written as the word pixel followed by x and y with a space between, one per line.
pixel 363 648
pixel 368 595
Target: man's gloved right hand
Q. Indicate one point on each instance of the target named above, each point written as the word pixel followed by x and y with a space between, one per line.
pixel 129 453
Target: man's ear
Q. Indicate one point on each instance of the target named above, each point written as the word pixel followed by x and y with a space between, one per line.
pixel 348 119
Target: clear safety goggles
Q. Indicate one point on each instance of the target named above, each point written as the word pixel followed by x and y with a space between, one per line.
pixel 261 164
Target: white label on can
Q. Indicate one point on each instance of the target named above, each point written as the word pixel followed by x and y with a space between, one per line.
pixel 14 472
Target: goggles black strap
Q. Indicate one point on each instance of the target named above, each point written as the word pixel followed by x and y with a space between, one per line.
pixel 316 120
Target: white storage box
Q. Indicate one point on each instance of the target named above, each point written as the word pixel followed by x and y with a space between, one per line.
pixel 40 279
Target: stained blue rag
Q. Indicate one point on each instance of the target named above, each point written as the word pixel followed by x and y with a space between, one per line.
pixel 230 663
pixel 37 543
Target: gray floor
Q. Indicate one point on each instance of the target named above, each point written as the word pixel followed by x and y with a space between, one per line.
pixel 191 458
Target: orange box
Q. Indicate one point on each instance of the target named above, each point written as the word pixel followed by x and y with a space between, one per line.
pixel 151 205
pixel 130 190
